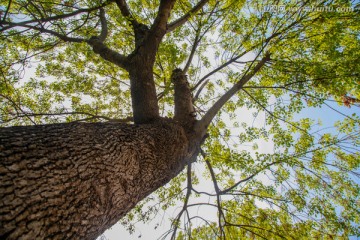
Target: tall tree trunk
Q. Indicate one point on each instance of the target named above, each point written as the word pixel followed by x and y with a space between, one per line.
pixel 143 93
pixel 73 181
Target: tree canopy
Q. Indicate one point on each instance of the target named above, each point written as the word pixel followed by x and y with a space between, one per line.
pixel 281 74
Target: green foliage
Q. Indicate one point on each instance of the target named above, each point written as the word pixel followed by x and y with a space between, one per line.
pixel 303 185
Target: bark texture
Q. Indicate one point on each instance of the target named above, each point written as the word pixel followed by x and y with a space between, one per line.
pixel 73 181
pixel 143 93
pixel 184 110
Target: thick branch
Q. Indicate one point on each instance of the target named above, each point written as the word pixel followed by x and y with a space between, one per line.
pixel 106 53
pixel 158 29
pixel 179 22
pixel 125 11
pixel 143 92
pixel 141 62
pixel 96 42
pixel 104 29
pixel 202 125
pixel 163 14
pixel 140 30
pixel 124 8
pixel 184 110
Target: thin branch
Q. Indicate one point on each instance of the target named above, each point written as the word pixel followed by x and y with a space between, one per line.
pixel 217 190
pixel 53 18
pixel 235 58
pixel 186 201
pixel 248 178
pixel 44 30
pixel 232 60
pixel 208 223
pixel 198 38
pixel 7 11
pixel 200 89
pixel 93 116
pixel 271 114
pixel 285 87
pixel 218 69
pixel 37 9
pixel 213 177
pixel 179 22
pixel 339 112
pixel 43 48
pixel 245 226
pixel 18 108
pixel 211 113
pixel 193 50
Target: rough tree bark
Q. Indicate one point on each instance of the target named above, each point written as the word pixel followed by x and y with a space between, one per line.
pixel 73 181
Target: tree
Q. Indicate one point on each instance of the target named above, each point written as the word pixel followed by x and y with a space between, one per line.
pixel 77 155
